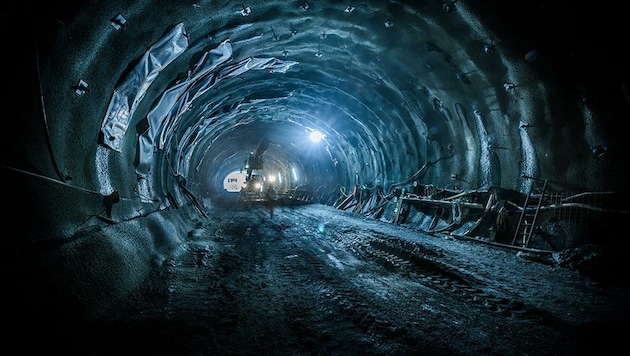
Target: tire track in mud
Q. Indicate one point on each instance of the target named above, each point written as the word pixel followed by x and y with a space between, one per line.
pixel 257 284
pixel 350 303
pixel 419 263
pixel 320 308
pixel 337 313
pixel 319 311
pixel 334 309
pixel 258 323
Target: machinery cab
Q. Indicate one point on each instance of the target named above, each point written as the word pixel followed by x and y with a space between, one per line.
pixel 254 187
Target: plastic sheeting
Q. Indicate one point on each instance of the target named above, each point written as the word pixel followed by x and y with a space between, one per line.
pixel 132 90
pixel 165 116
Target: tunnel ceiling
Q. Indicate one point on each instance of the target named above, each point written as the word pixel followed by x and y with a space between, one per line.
pixel 483 91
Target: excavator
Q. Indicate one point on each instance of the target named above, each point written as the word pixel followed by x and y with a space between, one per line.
pixel 256 188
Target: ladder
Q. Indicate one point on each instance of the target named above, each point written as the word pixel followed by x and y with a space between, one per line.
pixel 529 215
pixel 396 219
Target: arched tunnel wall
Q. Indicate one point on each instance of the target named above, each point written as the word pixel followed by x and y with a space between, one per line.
pixel 403 92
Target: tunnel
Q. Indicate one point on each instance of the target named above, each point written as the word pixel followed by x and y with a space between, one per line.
pixel 321 177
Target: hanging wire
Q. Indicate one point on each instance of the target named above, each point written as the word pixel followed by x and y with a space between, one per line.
pixel 52 180
pixel 48 179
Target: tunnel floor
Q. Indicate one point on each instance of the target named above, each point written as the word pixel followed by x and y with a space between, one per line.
pixel 310 280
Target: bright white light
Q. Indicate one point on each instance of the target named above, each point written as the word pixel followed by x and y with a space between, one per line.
pixel 316 136
pixel 234 182
pixel 271 178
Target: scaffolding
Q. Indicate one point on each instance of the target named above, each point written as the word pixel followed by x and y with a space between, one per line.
pixel 546 218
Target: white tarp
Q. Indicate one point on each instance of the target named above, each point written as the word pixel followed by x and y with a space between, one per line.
pixel 132 90
pixel 164 117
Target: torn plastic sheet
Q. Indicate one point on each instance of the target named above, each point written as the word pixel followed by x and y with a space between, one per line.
pixel 165 111
pixel 201 86
pixel 164 117
pixel 132 90
pixel 166 114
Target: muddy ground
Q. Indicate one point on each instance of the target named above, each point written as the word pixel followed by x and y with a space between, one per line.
pixel 312 280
